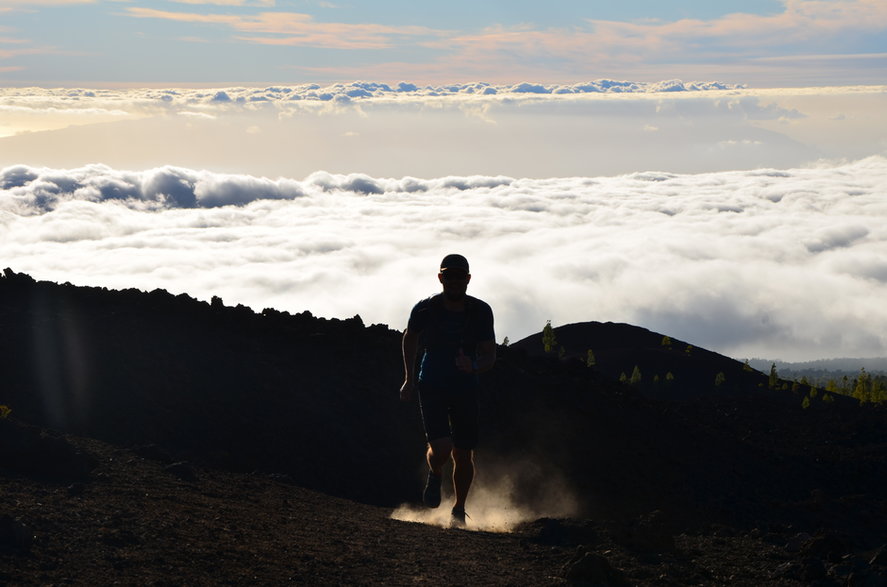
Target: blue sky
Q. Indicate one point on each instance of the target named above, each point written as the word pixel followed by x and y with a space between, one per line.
pixel 762 43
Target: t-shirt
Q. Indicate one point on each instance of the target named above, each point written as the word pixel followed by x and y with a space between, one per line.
pixel 443 332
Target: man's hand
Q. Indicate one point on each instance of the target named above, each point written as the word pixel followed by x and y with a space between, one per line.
pixel 410 346
pixel 406 391
pixel 464 363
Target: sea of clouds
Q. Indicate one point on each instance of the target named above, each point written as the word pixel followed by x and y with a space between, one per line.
pixel 346 92
pixel 35 108
pixel 781 263
pixel 598 128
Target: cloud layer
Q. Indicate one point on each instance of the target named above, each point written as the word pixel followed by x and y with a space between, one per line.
pixel 525 130
pixel 782 263
pixel 49 98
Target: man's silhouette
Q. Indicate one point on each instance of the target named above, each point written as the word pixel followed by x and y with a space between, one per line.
pixel 454 331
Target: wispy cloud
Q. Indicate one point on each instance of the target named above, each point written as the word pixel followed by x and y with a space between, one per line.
pixel 261 3
pixel 296 29
pixel 832 57
pixel 791 47
pixel 18 52
pixel 801 28
pixel 32 3
pixel 803 21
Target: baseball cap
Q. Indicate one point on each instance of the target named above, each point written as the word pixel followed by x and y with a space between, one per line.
pixel 454 261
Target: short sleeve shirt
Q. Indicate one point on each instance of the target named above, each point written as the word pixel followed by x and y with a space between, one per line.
pixel 443 333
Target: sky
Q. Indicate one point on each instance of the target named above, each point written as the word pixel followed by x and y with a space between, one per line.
pixel 761 43
pixel 714 171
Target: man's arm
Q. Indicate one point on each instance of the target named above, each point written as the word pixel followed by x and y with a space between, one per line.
pixel 486 355
pixel 409 346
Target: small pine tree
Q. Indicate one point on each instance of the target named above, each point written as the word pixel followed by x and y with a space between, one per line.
pixel 774 377
pixel 863 388
pixel 689 349
pixel 878 393
pixel 590 361
pixel 549 340
pixel 505 341
pixel 623 378
pixel 720 378
pixel 746 366
pixel 666 341
pixel 635 376
pixel 806 403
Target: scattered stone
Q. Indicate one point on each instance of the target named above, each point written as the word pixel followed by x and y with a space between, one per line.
pixel 812 570
pixel 282 478
pixel 39 453
pixel 880 557
pixel 183 471
pixel 118 537
pixel 840 571
pixel 588 568
pixel 828 547
pixel 789 570
pixel 797 542
pixel 867 578
pixel 76 489
pixel 550 531
pixel 558 532
pixel 650 533
pixel 14 535
pixel 153 452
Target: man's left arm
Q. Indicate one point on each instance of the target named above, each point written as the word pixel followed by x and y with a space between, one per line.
pixel 486 356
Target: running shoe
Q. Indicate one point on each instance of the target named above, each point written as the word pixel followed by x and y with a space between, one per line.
pixel 431 495
pixel 458 517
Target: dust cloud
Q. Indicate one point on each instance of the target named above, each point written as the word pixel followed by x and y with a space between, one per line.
pixel 498 503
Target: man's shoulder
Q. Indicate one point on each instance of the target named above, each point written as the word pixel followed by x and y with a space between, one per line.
pixel 478 307
pixel 477 304
pixel 424 305
pixel 427 302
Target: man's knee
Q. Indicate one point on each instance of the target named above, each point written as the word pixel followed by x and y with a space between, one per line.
pixel 441 446
pixel 463 455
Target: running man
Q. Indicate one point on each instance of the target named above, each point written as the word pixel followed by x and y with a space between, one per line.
pixel 455 333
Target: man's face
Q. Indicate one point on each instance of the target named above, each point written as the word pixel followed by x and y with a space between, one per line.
pixel 455 283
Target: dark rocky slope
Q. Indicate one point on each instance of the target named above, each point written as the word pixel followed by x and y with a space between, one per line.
pixel 687 484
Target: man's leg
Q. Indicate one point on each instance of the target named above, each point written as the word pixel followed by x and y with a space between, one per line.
pixel 463 475
pixel 438 454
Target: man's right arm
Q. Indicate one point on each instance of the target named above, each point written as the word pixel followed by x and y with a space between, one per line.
pixel 409 346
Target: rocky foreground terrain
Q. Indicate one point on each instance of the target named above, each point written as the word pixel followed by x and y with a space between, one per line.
pixel 156 439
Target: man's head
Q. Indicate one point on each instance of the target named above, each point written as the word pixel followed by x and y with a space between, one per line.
pixel 454 276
